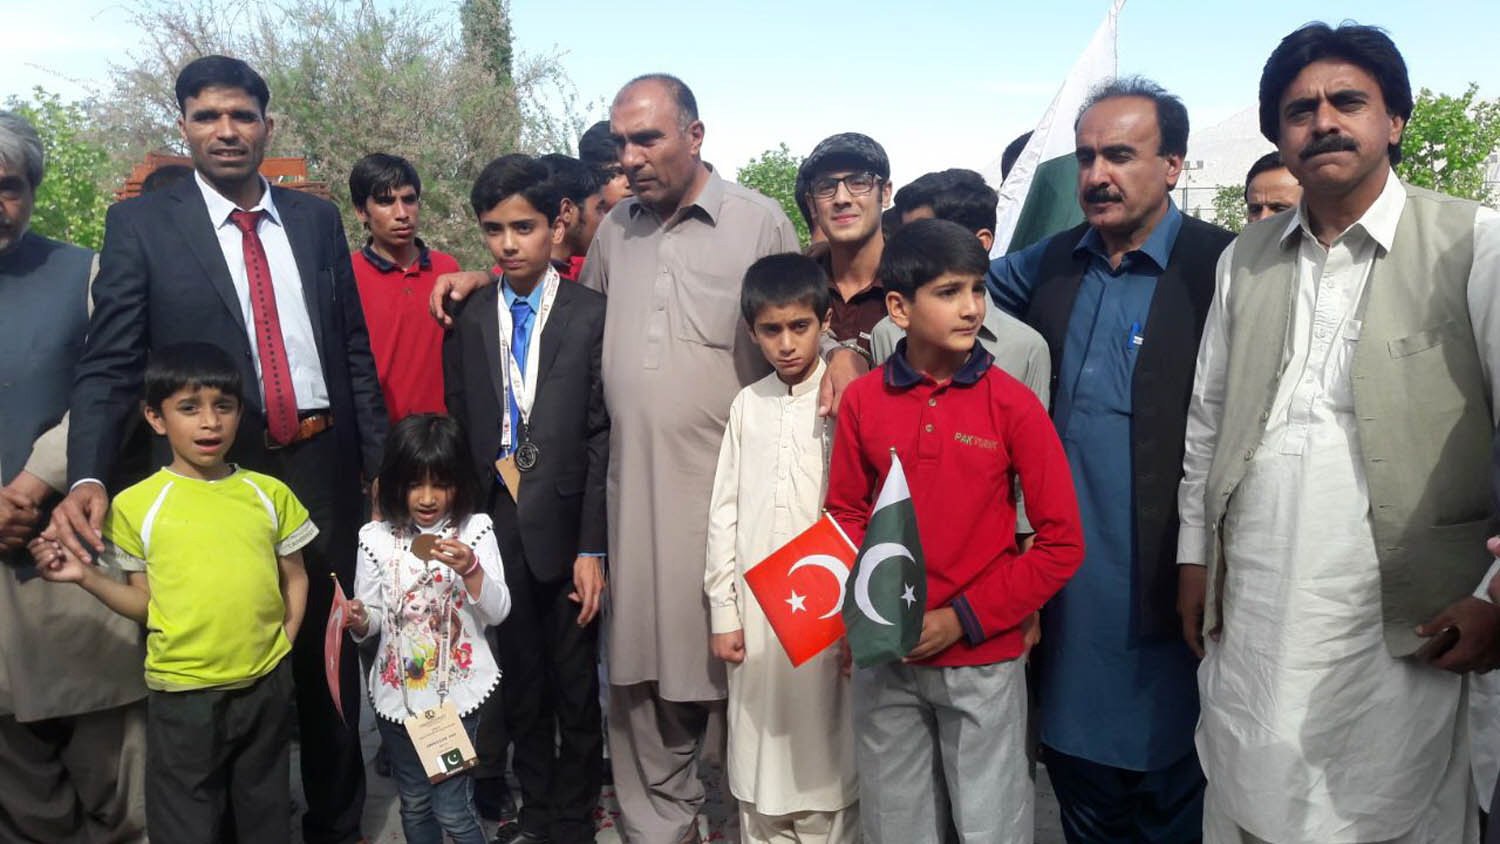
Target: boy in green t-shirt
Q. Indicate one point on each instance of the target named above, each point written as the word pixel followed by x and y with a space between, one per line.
pixel 213 560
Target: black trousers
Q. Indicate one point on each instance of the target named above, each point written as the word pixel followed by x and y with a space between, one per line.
pixel 217 763
pixel 1105 805
pixel 333 770
pixel 551 704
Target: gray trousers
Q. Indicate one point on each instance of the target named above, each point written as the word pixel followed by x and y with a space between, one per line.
pixel 655 748
pixel 77 779
pixel 932 744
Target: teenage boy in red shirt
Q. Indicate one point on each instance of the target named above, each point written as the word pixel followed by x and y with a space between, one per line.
pixel 963 429
pixel 395 271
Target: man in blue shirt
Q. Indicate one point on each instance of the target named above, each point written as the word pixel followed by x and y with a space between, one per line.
pixel 1121 301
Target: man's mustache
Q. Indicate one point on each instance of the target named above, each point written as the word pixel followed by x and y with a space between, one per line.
pixel 1328 143
pixel 1100 193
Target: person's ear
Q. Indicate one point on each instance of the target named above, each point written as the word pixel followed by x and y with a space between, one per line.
pixel 898 309
pixel 154 419
pixel 695 138
pixel 1174 170
pixel 986 239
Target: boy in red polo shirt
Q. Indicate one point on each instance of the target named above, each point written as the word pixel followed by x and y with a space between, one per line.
pixel 964 430
pixel 395 271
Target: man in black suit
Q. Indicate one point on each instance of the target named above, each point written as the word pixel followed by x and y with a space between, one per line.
pixel 522 373
pixel 265 274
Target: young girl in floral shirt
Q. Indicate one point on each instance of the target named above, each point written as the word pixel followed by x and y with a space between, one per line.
pixel 429 581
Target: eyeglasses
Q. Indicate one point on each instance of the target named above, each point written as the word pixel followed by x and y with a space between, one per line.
pixel 858 184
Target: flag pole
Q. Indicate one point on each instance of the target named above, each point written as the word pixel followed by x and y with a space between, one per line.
pixel 840 529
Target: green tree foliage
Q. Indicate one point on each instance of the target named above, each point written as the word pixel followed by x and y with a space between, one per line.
pixel 1229 207
pixel 349 78
pixel 75 191
pixel 1448 142
pixel 486 28
pixel 774 173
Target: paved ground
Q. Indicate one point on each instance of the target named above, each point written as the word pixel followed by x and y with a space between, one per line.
pixel 382 824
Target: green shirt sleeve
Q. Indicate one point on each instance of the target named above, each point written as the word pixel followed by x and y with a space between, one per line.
pixel 294 526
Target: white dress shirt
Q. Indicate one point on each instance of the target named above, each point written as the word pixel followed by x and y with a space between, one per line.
pixel 286 279
pixel 1310 730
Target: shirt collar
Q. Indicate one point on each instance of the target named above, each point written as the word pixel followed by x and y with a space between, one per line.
pixel 900 375
pixel 1158 245
pixel 990 328
pixel 1379 220
pixel 710 201
pixel 379 262
pixel 219 207
pixel 811 382
pixel 534 298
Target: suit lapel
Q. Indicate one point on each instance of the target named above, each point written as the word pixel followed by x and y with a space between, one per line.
pixel 300 231
pixel 190 215
pixel 554 332
pixel 485 300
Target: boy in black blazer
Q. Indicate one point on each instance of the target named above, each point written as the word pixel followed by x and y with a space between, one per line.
pixel 522 374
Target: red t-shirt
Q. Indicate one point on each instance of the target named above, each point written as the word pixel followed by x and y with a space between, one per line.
pixel 406 341
pixel 961 443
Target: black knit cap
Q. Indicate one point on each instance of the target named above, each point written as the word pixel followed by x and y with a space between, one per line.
pixel 846 149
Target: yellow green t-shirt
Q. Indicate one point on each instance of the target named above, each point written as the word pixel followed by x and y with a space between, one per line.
pixel 209 550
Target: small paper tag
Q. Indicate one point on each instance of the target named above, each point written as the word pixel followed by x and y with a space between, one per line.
pixel 510 475
pixel 441 742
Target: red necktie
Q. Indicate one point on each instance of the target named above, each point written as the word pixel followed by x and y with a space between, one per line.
pixel 275 372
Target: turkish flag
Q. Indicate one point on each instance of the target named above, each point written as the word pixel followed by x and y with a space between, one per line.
pixel 800 588
pixel 333 640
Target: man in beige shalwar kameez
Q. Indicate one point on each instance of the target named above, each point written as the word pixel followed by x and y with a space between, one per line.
pixel 671 259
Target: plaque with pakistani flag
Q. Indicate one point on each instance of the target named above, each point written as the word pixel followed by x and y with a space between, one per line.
pixel 888 586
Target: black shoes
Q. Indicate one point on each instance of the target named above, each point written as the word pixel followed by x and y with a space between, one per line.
pixel 513 834
pixel 494 801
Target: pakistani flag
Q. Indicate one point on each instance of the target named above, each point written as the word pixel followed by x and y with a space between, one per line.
pixel 1038 198
pixel 889 579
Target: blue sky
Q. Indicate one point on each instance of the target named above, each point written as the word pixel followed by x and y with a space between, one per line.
pixel 939 83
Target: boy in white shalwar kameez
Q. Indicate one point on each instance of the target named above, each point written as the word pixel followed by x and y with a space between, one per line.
pixel 791 748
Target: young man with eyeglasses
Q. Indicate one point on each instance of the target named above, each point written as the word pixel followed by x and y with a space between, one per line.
pixel 846 182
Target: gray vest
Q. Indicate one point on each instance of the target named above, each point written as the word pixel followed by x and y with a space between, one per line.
pixel 1421 402
pixel 43 320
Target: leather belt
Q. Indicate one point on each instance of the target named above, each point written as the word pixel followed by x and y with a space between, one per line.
pixel 309 425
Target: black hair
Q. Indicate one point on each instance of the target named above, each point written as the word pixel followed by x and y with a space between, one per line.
pixel 1269 161
pixel 890 221
pixel 574 179
pixel 1366 47
pixel 682 95
pixel 1012 152
pixel 220 72
pixel 924 250
pixel 516 175
pixel 596 149
pixel 958 195
pixel 379 174
pixel 784 279
pixel 426 446
pixel 1171 114
pixel 165 176
pixel 191 366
